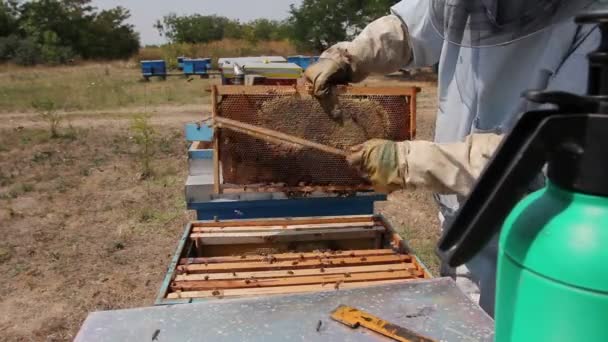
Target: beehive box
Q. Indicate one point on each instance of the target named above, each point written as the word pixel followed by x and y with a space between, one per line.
pixel 196 66
pixel 273 73
pixel 239 258
pixel 249 163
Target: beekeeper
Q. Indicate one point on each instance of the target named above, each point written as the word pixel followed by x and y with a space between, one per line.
pixel 489 52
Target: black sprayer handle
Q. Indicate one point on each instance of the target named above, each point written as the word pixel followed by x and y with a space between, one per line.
pixel 518 159
pixel 566 137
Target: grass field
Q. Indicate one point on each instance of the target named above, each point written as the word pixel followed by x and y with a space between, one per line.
pixel 93 87
pixel 81 229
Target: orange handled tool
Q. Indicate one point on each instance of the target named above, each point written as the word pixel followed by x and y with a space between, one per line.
pixel 354 318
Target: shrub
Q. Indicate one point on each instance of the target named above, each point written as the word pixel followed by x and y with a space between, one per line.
pixel 47 110
pixel 144 137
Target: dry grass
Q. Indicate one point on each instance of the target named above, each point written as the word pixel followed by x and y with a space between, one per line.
pixel 80 231
pixel 217 49
pixel 93 87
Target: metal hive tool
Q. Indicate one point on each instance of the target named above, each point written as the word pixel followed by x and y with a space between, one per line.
pixel 250 162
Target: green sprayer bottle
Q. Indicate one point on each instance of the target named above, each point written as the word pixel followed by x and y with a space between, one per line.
pixel 552 282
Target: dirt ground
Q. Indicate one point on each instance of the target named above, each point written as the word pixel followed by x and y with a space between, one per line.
pixel 82 231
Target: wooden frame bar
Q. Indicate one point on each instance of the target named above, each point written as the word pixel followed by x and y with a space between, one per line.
pixel 288 221
pixel 233 189
pixel 202 239
pixel 289 281
pixel 287 256
pixel 279 290
pixel 294 265
pixel 295 273
pixel 282 229
pixel 303 90
pixel 216 142
pixel 275 136
pixel 413 105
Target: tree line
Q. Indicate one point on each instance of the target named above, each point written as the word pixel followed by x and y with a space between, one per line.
pixel 313 26
pixel 57 31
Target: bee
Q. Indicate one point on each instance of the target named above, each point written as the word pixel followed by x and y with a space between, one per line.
pixel 157 332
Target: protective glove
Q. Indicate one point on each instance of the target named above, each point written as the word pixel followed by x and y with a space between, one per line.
pixel 378 160
pixel 326 73
pixel 382 47
pixel 449 168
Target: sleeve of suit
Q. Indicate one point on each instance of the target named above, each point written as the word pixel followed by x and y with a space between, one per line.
pixel 446 168
pixel 402 39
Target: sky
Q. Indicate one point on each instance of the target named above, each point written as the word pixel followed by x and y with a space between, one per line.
pixel 144 13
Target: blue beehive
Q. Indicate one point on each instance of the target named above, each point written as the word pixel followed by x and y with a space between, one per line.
pixel 154 68
pixel 302 61
pixel 197 66
pixel 180 62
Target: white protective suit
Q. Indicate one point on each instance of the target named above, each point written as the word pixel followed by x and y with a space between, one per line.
pixel 479 92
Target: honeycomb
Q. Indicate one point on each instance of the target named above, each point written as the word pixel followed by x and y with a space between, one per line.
pixel 355 118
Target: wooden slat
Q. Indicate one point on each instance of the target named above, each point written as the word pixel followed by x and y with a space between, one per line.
pixel 249 229
pixel 305 91
pixel 253 90
pixel 287 256
pixel 231 189
pixel 412 114
pixel 286 236
pixel 298 273
pixel 382 91
pixel 289 281
pixel 285 221
pixel 216 143
pixel 278 290
pixel 271 135
pixel 293 265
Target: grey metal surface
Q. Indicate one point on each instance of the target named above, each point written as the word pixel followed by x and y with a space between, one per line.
pixel 435 307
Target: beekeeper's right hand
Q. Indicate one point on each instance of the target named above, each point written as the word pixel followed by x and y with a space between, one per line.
pixel 382 47
pixel 443 168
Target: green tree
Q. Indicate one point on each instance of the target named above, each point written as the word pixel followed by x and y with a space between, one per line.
pixel 113 38
pixel 233 29
pixel 192 28
pixel 203 29
pixel 318 24
pixel 54 31
pixel 8 17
